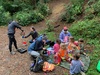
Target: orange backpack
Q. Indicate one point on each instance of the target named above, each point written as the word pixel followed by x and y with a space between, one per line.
pixel 48 67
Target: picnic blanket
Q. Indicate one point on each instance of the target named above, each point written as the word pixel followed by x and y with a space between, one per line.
pixel 84 59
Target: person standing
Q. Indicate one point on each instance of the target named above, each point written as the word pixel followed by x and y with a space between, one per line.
pixel 11 31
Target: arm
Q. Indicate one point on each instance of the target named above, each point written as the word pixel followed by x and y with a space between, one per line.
pixel 61 37
pixel 69 34
pixel 82 63
pixel 17 25
pixel 27 35
pixel 38 46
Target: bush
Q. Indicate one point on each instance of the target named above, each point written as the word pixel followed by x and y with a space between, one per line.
pixel 36 16
pixel 4 16
pixel 43 9
pixel 25 18
pixel 86 29
pixel 11 7
pixel 49 24
pixel 92 9
pixel 72 11
pixel 89 16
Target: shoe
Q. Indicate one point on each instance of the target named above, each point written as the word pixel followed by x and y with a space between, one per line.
pixel 12 52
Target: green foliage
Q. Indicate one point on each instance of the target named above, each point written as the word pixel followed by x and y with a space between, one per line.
pixel 94 57
pixel 72 11
pixel 49 24
pixel 49 34
pixel 25 11
pixel 43 8
pixel 96 6
pixel 25 18
pixel 46 1
pixel 89 16
pixel 86 29
pixel 92 9
pixel 4 16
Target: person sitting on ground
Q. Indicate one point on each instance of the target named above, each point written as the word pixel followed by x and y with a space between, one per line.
pixel 77 45
pixel 33 33
pixel 50 49
pixel 71 46
pixel 56 46
pixel 76 65
pixel 11 31
pixel 51 46
pixel 62 54
pixel 38 45
pixel 64 35
pixel 81 45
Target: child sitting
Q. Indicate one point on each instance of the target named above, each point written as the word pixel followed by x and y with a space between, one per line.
pixel 56 46
pixel 76 65
pixel 50 49
pixel 71 46
pixel 81 44
pixel 77 45
pixel 62 54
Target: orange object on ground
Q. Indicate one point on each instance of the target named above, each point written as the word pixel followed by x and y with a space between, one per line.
pixel 48 67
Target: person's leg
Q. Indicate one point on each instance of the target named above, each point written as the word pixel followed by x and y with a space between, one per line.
pixel 10 43
pixel 34 53
pixel 15 43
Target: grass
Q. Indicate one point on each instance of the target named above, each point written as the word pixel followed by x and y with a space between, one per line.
pixel 95 57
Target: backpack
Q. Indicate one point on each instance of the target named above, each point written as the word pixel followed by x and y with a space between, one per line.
pixel 98 66
pixel 47 67
pixel 37 65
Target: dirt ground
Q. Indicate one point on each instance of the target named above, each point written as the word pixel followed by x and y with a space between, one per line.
pixel 19 64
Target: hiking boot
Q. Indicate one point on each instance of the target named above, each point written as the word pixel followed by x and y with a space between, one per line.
pixel 12 52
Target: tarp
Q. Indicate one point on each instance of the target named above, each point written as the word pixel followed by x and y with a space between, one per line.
pixel 65 64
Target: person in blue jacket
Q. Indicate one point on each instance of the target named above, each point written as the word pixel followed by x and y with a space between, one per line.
pixel 64 35
pixel 38 45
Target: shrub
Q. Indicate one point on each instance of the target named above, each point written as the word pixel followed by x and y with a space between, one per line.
pixel 92 9
pixel 49 24
pixel 36 16
pixel 43 9
pixel 11 7
pixel 4 16
pixel 72 11
pixel 89 16
pixel 86 29
pixel 25 18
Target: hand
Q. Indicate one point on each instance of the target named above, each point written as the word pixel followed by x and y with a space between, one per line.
pixel 23 37
pixel 44 48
